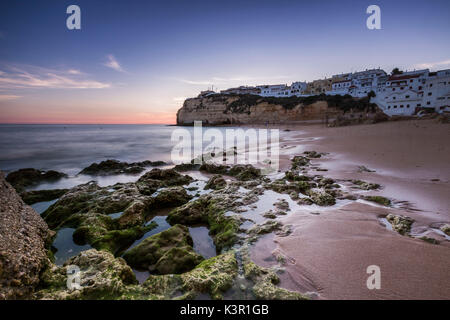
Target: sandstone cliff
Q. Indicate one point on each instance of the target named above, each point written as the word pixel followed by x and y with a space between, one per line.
pixel 23 235
pixel 235 109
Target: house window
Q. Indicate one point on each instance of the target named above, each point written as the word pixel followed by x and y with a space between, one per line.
pixel 418 104
pixel 393 89
pixel 429 93
pixel 389 107
pixel 428 102
pixel 407 105
pixel 395 107
pixel 401 106
pixel 420 87
pixel 406 97
pixel 411 80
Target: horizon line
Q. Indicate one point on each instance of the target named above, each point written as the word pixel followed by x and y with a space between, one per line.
pixel 51 123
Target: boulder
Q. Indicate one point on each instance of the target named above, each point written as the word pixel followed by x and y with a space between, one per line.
pixel 169 251
pixel 23 239
pixel 101 277
pixel 216 183
pixel 28 177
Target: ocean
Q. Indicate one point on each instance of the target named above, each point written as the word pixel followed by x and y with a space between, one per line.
pixel 70 148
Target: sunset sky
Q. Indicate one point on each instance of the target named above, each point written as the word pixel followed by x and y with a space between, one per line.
pixel 136 61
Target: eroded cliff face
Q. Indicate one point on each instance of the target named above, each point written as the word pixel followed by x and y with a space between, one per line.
pixel 23 235
pixel 217 110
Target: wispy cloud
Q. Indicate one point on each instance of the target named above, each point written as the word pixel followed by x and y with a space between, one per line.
pixel 111 62
pixel 26 76
pixel 7 97
pixel 433 65
pixel 237 80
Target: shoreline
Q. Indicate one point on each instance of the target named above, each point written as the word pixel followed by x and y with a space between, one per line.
pixel 319 249
pixel 328 253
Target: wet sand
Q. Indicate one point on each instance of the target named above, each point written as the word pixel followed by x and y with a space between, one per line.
pixel 329 253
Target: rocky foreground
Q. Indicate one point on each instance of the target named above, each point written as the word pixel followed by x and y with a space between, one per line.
pixel 177 270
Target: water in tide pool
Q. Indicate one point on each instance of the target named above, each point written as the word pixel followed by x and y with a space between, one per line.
pixel 65 246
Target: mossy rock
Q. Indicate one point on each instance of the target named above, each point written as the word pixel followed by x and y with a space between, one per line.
pixel 186 167
pixel 366 185
pixel 101 277
pixel 265 283
pixel 446 229
pixel 209 210
pixel 216 183
pixel 214 168
pixel 322 198
pixel 379 199
pixel 313 154
pixel 213 276
pixel 28 177
pixel 401 224
pixel 245 172
pixel 31 197
pixel 156 252
pixel 299 162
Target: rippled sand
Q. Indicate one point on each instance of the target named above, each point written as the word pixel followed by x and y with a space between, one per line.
pixel 328 253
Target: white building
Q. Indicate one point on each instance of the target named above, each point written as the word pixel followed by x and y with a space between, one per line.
pixel 399 94
pixel 406 93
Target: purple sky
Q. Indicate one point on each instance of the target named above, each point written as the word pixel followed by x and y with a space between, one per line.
pixel 136 61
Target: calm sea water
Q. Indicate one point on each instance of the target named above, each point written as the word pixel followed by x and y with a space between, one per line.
pixel 69 148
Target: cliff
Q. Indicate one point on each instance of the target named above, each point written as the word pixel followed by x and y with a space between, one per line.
pixel 23 235
pixel 251 109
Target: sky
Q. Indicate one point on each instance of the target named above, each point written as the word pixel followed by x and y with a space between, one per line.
pixel 136 61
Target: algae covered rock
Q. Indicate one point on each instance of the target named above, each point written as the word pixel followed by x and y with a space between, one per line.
pixel 446 229
pixel 23 178
pixel 31 197
pixel 89 197
pixel 159 178
pixel 379 199
pixel 213 276
pixel 322 198
pixel 313 154
pixel 101 276
pixel 214 168
pixel 265 283
pixel 169 251
pixel 170 197
pixel 186 167
pixel 216 183
pixel 366 185
pixel 111 167
pixel 266 227
pixel 245 172
pixel 401 224
pixel 299 162
pixel 210 210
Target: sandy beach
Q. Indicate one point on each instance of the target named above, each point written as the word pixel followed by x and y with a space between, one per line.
pixel 329 251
